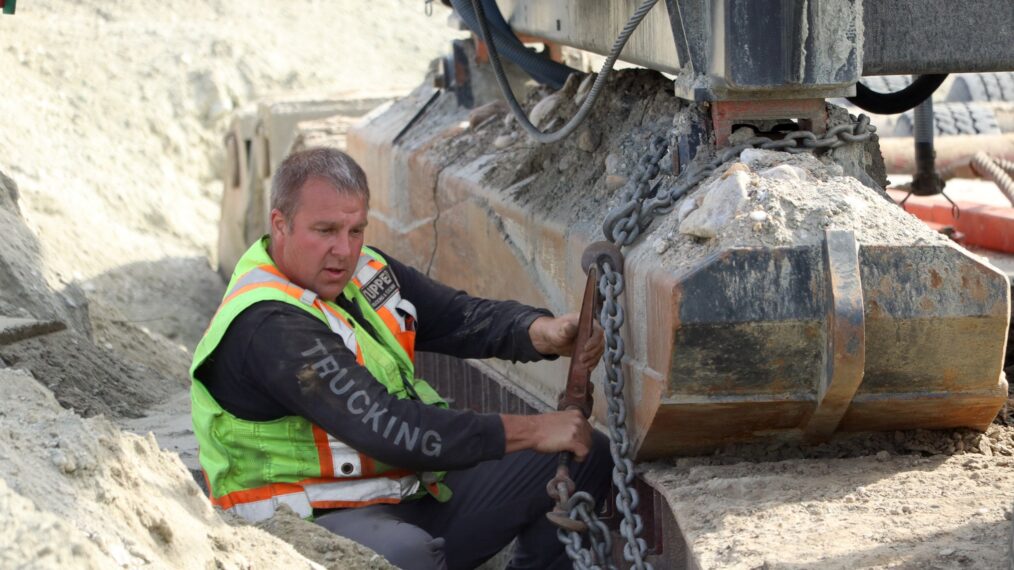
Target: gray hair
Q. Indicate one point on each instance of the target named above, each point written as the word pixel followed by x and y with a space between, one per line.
pixel 330 164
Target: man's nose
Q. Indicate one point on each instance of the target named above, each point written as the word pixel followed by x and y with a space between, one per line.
pixel 341 245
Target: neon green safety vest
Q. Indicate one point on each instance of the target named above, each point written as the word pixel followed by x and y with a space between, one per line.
pixel 252 467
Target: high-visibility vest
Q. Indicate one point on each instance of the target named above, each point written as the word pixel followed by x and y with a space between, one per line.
pixel 252 466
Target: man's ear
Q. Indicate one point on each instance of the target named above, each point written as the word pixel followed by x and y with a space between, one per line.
pixel 278 223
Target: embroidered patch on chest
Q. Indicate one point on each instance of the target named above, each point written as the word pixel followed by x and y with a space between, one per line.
pixel 380 288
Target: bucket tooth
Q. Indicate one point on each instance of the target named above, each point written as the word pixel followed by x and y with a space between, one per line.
pixel 845 352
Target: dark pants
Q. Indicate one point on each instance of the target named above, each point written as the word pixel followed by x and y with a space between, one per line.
pixel 493 503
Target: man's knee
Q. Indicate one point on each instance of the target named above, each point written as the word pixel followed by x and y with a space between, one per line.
pixel 413 550
pixel 404 545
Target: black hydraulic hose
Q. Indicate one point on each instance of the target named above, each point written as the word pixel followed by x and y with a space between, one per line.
pixel 543 70
pixel 900 101
pixel 600 81
pixel 495 17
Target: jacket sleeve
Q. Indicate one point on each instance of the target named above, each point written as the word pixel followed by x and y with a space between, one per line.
pixel 309 372
pixel 455 323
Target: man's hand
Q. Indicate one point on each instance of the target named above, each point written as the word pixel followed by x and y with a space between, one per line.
pixel 556 336
pixel 551 432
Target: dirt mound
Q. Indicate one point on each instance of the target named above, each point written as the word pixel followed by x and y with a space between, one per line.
pixel 117 157
pixel 109 230
pixel 24 291
pixel 637 105
pixel 88 378
pixel 80 493
pixel 117 165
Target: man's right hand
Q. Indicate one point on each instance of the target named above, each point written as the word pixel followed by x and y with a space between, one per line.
pixel 551 432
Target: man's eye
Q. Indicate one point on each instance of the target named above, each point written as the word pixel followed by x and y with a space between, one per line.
pixel 324 231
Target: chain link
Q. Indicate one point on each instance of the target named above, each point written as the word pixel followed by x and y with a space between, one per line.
pixel 639 206
pixel 582 507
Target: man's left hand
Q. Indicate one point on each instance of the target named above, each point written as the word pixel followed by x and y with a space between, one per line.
pixel 556 335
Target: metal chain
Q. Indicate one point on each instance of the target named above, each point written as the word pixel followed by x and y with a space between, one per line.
pixel 639 206
pixel 581 507
pixel 625 223
pixel 611 318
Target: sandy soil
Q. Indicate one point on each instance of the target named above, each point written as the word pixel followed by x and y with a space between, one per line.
pixel 81 493
pixel 109 192
pixel 109 198
pixel 114 113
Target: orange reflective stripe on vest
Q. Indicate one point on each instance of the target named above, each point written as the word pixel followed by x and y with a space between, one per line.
pixel 302 497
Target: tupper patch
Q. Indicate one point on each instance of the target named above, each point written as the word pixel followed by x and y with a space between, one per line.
pixel 380 288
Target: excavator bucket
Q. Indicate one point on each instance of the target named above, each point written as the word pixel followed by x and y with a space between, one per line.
pixel 838 330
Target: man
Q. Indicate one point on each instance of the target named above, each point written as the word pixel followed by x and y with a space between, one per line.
pixel 305 394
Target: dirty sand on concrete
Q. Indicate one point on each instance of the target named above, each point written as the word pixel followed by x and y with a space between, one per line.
pixel 878 511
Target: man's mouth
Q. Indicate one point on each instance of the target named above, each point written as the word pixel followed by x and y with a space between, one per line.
pixel 335 273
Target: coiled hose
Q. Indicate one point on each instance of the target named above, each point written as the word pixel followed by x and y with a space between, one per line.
pixel 543 70
pixel 998 170
pixel 897 102
pixel 578 118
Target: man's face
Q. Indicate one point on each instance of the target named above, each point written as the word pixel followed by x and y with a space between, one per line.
pixel 320 250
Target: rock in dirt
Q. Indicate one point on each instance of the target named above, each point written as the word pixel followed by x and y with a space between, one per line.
pixel 613 163
pixel 504 141
pixel 801 196
pixel 482 114
pixel 615 181
pixel 686 207
pixel 722 201
pixel 588 140
pixel 784 172
pixel 544 109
